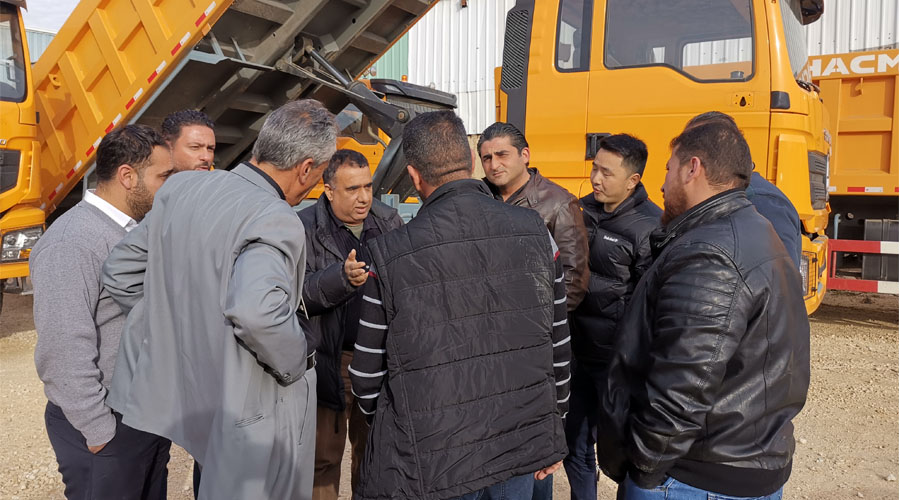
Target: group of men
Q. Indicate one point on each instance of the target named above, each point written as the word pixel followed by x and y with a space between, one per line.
pixel 505 331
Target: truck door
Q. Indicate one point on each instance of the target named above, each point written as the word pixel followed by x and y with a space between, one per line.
pixel 555 111
pixel 655 65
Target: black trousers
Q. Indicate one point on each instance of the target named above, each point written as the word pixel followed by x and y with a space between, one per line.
pixel 130 467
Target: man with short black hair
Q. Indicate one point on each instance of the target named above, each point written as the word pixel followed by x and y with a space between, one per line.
pixel 712 362
pixel 191 135
pixel 338 226
pixel 79 325
pixel 769 201
pixel 462 356
pixel 506 159
pixel 619 218
pixel 213 355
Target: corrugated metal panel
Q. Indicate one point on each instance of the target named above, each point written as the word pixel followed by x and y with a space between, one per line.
pixel 455 49
pixel 38 40
pixel 853 25
pixel 394 64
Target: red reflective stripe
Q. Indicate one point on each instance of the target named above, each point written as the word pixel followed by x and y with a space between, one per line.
pixel 151 77
pixel 175 49
pixel 860 246
pixel 130 103
pixel 868 286
pixel 200 19
pixel 110 127
pixel 856 190
pixel 70 174
pixel 89 151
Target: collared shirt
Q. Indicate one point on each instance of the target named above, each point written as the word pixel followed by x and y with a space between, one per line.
pixel 267 177
pixel 120 217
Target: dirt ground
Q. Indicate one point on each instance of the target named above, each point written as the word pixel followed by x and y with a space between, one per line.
pixel 847 436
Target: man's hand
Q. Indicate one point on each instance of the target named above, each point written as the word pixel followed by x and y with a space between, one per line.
pixel 546 471
pixel 355 271
pixel 96 449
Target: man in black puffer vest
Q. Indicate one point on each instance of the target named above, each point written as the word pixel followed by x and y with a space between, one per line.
pixel 619 218
pixel 338 226
pixel 712 361
pixel 463 353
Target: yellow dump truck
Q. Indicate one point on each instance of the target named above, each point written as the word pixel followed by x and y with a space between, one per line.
pixel 859 90
pixel 135 61
pixel 577 70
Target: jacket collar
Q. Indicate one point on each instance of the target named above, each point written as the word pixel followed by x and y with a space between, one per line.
pixel 595 210
pixel 454 188
pixel 720 205
pixel 527 193
pixel 258 178
pixel 326 222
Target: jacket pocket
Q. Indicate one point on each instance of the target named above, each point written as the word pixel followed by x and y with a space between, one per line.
pixel 244 422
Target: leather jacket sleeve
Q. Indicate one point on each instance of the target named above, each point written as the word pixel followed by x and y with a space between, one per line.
pixel 326 288
pixel 701 309
pixel 571 237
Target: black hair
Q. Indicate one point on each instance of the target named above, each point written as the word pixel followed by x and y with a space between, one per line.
pixel 501 129
pixel 172 124
pixel 632 150
pixel 132 145
pixel 343 157
pixel 722 150
pixel 436 145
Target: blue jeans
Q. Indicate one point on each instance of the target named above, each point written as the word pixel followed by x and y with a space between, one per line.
pixel 543 489
pixel 672 489
pixel 517 488
pixel 581 434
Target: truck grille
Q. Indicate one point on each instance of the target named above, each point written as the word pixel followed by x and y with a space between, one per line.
pixel 515 50
pixel 9 169
pixel 818 175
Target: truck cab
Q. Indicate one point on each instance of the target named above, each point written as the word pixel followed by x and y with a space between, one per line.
pixel 577 70
pixel 21 220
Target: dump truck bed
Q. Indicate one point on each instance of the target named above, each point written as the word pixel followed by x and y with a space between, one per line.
pixel 125 61
pixel 859 90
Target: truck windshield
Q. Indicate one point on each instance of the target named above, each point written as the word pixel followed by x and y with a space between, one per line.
pixel 795 36
pixel 12 56
pixel 706 40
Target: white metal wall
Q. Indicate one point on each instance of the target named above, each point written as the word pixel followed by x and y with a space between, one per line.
pixel 853 25
pixel 455 49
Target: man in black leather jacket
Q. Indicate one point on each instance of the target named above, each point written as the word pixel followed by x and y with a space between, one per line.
pixel 619 217
pixel 712 362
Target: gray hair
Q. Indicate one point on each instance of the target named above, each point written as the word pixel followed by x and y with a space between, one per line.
pixel 295 132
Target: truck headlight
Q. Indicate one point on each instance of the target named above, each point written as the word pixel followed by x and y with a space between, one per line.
pixel 16 245
pixel 804 270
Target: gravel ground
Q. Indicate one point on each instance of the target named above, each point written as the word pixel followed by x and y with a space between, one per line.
pixel 847 436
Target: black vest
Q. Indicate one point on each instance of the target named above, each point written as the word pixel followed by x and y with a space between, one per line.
pixel 470 396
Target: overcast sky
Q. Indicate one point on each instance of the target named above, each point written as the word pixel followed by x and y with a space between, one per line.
pixel 48 14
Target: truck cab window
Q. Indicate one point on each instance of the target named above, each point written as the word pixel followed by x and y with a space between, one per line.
pixel 706 40
pixel 795 35
pixel 12 57
pixel 573 36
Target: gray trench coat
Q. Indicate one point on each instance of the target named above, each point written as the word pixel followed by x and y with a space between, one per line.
pixel 213 356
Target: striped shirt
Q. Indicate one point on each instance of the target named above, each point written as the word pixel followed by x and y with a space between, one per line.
pixel 368 370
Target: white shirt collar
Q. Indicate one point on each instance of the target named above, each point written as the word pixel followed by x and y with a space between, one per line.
pixel 118 216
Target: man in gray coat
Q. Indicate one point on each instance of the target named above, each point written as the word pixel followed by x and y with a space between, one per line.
pixel 213 355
